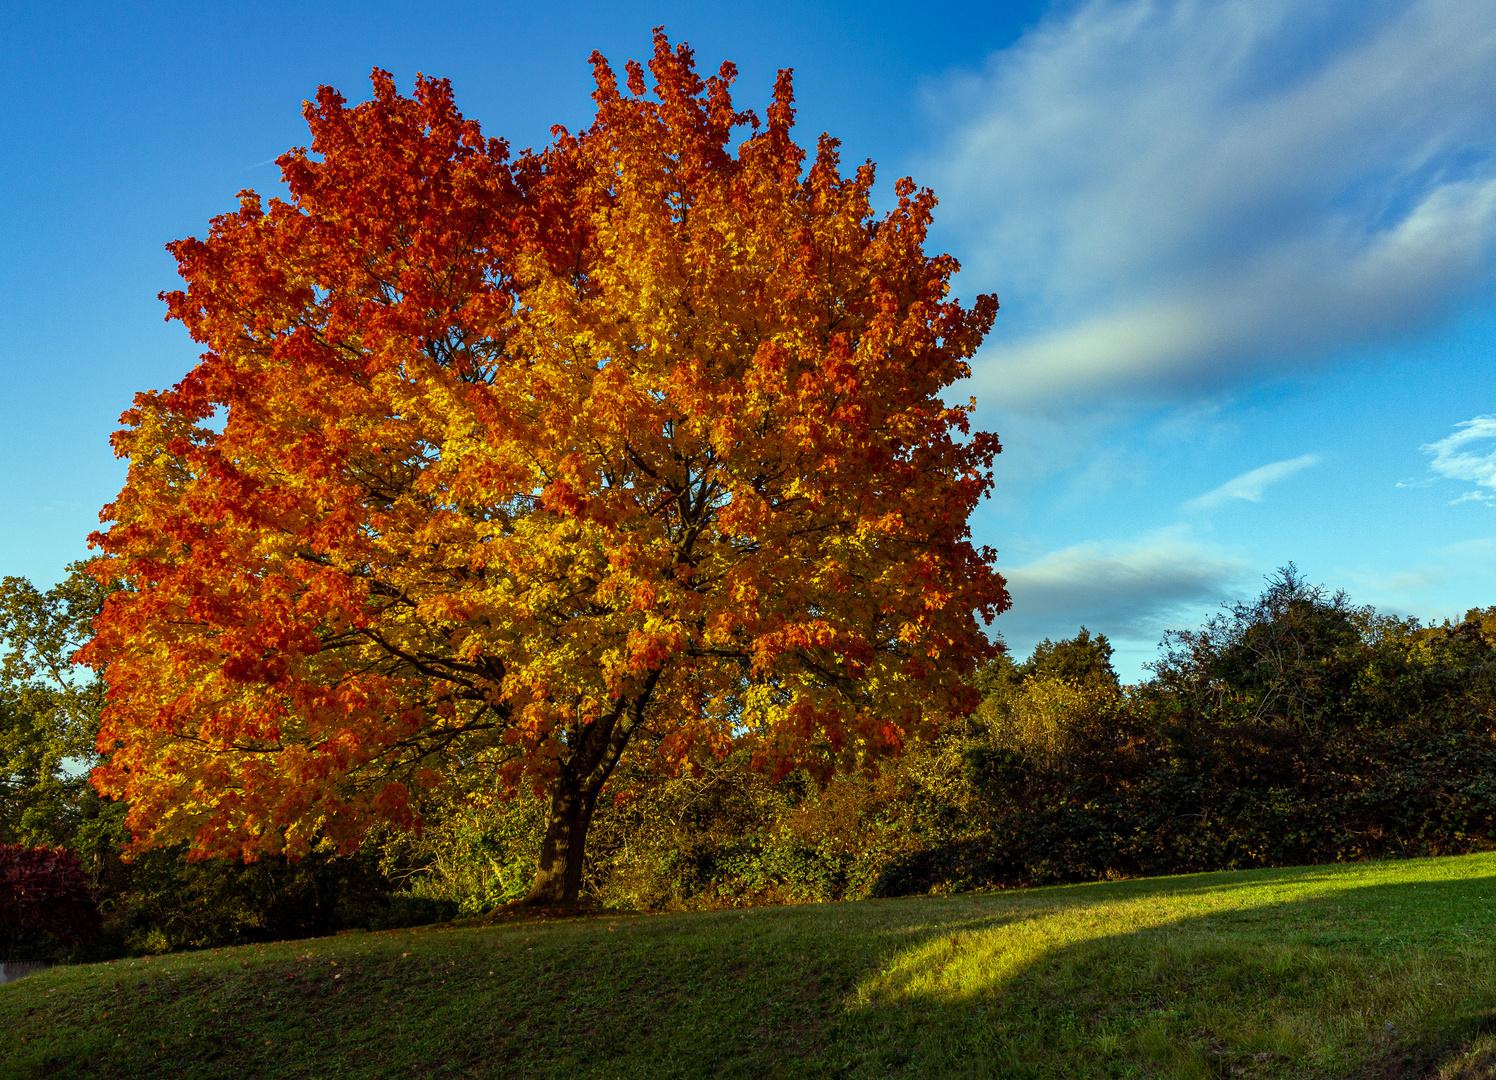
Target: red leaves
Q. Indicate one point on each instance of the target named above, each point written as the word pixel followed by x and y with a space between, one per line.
pixel 44 889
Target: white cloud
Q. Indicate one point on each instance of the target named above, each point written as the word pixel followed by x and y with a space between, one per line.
pixel 1172 194
pixel 1250 485
pixel 1124 590
pixel 1458 456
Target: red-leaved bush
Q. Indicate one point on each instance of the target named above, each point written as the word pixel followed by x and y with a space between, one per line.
pixel 44 889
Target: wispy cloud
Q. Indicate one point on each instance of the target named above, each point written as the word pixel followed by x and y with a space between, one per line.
pixel 1172 194
pixel 1480 549
pixel 1382 583
pixel 1458 456
pixel 1125 590
pixel 1415 590
pixel 1251 485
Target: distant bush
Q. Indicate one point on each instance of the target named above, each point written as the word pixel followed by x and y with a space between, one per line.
pixel 403 909
pixel 43 893
pixel 1293 730
pixel 475 853
pixel 728 836
pixel 162 902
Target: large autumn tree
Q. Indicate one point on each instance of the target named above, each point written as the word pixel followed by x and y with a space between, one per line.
pixel 497 468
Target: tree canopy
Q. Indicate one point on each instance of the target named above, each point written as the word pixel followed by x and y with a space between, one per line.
pixel 497 467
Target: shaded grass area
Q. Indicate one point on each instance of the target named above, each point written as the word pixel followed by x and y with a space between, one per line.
pixel 1374 970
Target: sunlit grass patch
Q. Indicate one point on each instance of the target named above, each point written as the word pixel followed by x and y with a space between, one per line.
pixel 1274 973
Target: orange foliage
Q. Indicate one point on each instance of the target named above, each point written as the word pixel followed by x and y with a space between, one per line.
pixel 515 463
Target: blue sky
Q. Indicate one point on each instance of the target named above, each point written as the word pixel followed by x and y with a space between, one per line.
pixel 1245 253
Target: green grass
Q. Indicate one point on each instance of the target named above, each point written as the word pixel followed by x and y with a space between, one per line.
pixel 1374 970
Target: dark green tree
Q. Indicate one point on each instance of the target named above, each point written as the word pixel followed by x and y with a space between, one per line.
pixel 1081 659
pixel 1290 659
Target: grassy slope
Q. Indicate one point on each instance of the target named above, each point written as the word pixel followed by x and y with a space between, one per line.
pixel 1378 970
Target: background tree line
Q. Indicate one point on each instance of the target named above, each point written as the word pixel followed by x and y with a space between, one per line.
pixel 1294 729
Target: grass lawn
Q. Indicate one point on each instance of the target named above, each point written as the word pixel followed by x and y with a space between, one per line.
pixel 1370 970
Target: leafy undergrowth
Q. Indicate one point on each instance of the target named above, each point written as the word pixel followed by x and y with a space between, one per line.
pixel 1375 970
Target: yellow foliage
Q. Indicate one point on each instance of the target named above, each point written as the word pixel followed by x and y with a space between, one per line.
pixel 1047 717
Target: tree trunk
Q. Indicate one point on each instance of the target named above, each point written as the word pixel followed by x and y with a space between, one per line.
pixel 595 751
pixel 558 878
